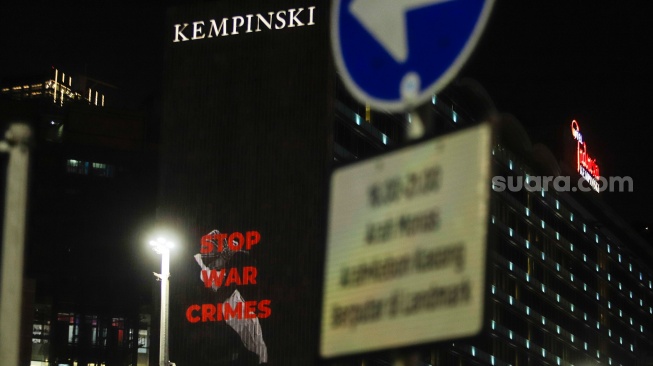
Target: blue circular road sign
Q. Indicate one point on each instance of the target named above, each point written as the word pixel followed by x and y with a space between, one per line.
pixel 395 54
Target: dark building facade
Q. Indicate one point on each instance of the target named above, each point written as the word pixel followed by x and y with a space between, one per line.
pixel 245 146
pixel 91 172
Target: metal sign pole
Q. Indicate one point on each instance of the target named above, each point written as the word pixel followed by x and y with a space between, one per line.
pixel 13 242
pixel 165 287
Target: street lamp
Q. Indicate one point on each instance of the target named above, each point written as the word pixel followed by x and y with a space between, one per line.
pixel 162 246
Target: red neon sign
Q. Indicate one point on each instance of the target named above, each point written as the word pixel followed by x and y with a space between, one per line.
pixel 585 165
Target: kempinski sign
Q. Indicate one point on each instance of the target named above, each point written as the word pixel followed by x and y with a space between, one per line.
pixel 248 23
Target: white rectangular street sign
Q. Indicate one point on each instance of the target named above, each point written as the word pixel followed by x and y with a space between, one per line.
pixel 406 246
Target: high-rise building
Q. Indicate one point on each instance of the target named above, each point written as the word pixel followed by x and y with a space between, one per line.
pixel 87 293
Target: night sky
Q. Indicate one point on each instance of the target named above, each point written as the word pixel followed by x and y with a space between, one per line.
pixel 546 62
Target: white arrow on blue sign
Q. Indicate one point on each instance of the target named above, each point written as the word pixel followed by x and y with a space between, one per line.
pixel 395 54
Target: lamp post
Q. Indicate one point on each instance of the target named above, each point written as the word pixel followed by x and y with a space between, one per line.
pixel 162 246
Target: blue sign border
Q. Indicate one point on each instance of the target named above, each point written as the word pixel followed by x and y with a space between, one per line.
pixel 424 92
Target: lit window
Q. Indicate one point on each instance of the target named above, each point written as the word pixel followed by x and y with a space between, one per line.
pixel 77 167
pixel 102 170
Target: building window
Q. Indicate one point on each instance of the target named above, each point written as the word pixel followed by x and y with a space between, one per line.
pixel 77 167
pixel 89 168
pixel 143 341
pixel 72 322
